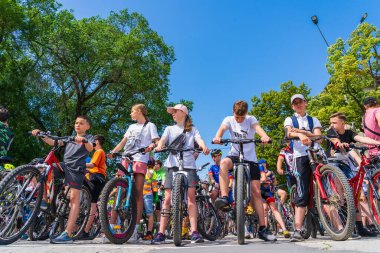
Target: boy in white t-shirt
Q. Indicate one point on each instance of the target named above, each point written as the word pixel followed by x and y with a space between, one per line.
pixel 302 126
pixel 243 126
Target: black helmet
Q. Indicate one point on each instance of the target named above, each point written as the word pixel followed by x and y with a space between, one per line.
pixel 215 152
pixel 4 114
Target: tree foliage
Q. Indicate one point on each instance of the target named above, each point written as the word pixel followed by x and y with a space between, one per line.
pixel 55 67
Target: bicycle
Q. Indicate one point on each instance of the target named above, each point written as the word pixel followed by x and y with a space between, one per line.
pixel 21 193
pixel 332 194
pixel 178 194
pixel 117 203
pixel 241 185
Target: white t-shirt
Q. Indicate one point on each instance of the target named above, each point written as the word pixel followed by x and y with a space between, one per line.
pixel 171 133
pixel 141 137
pixel 298 148
pixel 242 130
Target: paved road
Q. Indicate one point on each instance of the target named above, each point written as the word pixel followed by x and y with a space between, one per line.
pixel 228 245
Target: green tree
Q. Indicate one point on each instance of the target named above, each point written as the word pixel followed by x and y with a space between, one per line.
pixel 354 68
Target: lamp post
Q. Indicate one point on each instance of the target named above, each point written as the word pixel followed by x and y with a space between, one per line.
pixel 314 18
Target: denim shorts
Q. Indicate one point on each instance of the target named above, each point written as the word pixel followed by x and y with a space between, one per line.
pixel 148 204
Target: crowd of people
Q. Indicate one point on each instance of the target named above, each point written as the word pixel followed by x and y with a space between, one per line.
pixel 153 179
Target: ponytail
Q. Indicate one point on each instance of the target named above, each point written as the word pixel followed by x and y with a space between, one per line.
pixel 188 124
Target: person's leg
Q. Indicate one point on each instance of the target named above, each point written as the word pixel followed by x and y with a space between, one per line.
pixel 265 205
pixel 74 210
pixel 277 214
pixel 283 195
pixel 165 209
pixel 256 201
pixel 192 209
pixel 91 217
pixel 225 165
pixel 138 194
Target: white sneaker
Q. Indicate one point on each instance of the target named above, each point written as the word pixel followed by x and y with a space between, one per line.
pixel 134 237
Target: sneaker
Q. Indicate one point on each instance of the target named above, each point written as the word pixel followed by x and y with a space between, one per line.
pixel 24 237
pixel 247 235
pixel 354 236
pixel 364 232
pixel 62 239
pixel 43 205
pixel 158 239
pixel 84 236
pixel 222 203
pixel 266 235
pixel 286 234
pixel 196 237
pixel 148 237
pixel 297 237
pixel 373 228
pixel 134 237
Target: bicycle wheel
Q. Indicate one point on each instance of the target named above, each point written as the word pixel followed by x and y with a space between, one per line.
pixel 123 216
pixel 208 223
pixel 373 192
pixel 20 199
pixel 177 199
pixel 40 228
pixel 240 199
pixel 337 210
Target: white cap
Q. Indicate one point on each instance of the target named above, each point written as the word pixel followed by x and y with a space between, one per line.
pixel 294 97
pixel 180 107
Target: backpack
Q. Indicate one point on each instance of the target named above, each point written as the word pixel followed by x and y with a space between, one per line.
pixel 296 125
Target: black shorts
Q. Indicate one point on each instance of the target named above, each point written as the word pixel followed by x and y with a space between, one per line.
pixel 302 173
pixel 73 178
pixel 253 167
pixel 290 181
pixel 159 203
pixel 95 185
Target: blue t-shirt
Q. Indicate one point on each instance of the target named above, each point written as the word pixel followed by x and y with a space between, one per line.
pixel 214 171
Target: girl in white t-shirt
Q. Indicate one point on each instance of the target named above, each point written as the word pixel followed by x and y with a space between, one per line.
pixel 184 125
pixel 139 135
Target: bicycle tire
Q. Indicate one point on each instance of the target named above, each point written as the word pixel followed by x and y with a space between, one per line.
pixel 5 185
pixel 39 230
pixel 207 215
pixel 177 215
pixel 240 199
pixel 103 212
pixel 373 203
pixel 348 227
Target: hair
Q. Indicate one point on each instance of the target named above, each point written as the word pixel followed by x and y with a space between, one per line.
pixel 370 102
pixel 142 109
pixel 339 115
pixel 240 108
pixel 159 162
pixel 85 118
pixel 188 124
pixel 4 114
pixel 100 138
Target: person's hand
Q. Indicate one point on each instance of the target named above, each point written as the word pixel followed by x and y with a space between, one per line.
pixel 205 150
pixel 110 155
pixel 280 171
pixel 79 139
pixel 295 130
pixel 343 145
pixel 158 148
pixel 216 140
pixel 35 132
pixel 305 140
pixel 265 139
pixel 150 148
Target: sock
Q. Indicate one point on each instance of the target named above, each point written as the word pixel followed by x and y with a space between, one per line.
pixel 359 224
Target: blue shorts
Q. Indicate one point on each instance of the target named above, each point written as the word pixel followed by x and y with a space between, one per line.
pixel 148 204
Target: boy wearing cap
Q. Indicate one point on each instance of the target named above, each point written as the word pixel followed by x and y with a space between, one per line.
pixel 242 126
pixel 302 126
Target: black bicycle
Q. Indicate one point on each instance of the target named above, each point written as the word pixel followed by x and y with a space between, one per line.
pixel 241 185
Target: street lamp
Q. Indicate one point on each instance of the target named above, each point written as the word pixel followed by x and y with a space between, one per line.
pixel 365 15
pixel 314 18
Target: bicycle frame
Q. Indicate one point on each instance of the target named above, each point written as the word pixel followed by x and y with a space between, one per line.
pixel 129 177
pixel 246 174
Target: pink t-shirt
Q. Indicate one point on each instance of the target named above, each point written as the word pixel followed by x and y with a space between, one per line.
pixel 371 123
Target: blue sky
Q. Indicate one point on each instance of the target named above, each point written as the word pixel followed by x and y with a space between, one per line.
pixel 230 50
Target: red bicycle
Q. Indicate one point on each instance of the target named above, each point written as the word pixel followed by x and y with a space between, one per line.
pixel 332 194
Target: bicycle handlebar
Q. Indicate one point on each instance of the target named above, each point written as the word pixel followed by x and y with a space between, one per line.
pixel 239 141
pixel 178 150
pixel 129 154
pixel 57 138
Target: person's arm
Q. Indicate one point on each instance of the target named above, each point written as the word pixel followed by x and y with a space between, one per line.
pixel 202 145
pixel 120 145
pixel 366 140
pixel 260 131
pixel 219 133
pixel 280 160
pixel 47 140
pixel 378 117
pixel 263 177
pixel 303 138
pixel 88 145
pixel 95 160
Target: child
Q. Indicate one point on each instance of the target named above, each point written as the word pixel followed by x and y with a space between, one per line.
pixel 139 135
pixel 302 126
pixel 74 166
pixel 241 125
pixel 95 180
pixel 267 183
pixel 184 125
